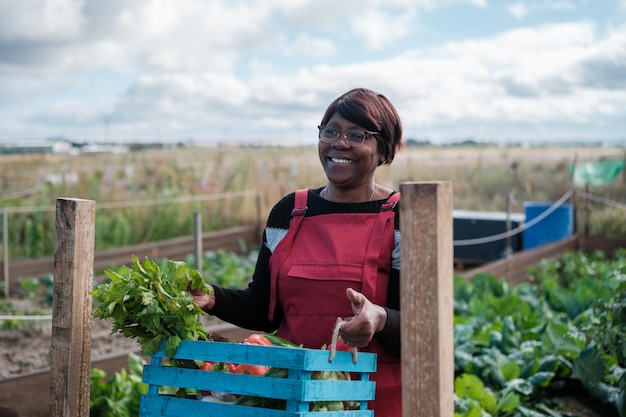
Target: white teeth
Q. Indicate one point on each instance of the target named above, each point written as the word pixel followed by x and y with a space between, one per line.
pixel 341 161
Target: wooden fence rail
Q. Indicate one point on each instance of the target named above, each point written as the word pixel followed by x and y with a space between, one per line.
pixel 515 268
pixel 235 239
pixel 172 248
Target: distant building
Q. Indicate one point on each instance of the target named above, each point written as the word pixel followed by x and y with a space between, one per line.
pixel 49 146
pixel 60 147
pixel 104 148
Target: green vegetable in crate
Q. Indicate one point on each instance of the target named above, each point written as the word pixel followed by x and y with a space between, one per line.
pixel 151 303
pixel 252 401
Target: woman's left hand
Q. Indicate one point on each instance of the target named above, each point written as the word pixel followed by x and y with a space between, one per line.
pixel 368 319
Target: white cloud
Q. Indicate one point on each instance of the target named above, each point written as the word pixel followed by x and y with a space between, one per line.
pixel 193 67
pixel 41 20
pixel 305 45
pixel 526 76
pixel 380 27
pixel 518 10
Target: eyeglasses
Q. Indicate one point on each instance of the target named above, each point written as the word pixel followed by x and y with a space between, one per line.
pixel 354 137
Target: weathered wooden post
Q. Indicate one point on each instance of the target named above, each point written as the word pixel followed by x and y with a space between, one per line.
pixel 197 241
pixel 70 357
pixel 426 299
pixel 5 251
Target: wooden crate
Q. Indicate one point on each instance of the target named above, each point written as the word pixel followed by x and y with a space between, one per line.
pixel 298 389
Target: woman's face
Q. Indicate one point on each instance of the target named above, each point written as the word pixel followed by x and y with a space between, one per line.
pixel 348 167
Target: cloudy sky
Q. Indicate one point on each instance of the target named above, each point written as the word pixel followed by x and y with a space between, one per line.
pixel 265 70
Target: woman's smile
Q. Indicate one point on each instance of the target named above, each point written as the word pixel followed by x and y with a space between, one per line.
pixel 342 161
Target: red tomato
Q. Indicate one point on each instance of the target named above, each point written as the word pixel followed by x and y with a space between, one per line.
pixel 258 339
pixel 257 370
pixel 206 366
pixel 341 345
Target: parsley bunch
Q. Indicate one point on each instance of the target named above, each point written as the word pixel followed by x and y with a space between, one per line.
pixel 151 303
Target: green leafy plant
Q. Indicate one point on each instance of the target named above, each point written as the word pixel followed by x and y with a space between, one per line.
pixel 118 395
pixel 30 288
pixel 150 303
pixel 514 347
pixel 226 269
pixel 10 309
pixel 37 289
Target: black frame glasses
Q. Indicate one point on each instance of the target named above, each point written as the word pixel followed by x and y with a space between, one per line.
pixel 353 137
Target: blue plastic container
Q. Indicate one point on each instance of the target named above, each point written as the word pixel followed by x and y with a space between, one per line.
pixel 557 225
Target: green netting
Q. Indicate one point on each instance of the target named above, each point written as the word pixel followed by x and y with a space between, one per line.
pixel 597 174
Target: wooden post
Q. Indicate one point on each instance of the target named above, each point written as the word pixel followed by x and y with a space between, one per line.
pixel 70 357
pixel 587 211
pixel 426 299
pixel 197 247
pixel 5 251
pixel 509 249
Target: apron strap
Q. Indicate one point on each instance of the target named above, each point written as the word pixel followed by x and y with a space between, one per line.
pixel 384 222
pixel 283 249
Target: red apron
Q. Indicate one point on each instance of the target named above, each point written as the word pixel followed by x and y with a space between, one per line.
pixel 310 275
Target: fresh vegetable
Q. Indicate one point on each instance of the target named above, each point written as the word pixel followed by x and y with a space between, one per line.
pixel 517 348
pixel 279 341
pixel 256 370
pixel 151 303
pixel 273 403
pixel 258 339
pixel 117 395
pixel 207 366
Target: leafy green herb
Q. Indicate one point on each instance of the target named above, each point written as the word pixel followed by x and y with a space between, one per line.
pixel 150 303
pixel 119 394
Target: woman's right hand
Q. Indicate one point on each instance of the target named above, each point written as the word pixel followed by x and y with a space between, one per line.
pixel 203 297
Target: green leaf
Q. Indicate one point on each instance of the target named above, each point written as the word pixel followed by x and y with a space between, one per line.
pixel 509 403
pixel 557 339
pixel 522 386
pixel 510 370
pixel 541 379
pixel 589 367
pixel 171 345
pixel 469 386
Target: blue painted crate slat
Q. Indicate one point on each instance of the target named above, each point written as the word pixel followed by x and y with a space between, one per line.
pixel 298 389
pixel 281 388
pixel 177 407
pixel 283 357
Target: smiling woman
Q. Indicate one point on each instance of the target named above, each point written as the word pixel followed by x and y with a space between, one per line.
pixel 317 262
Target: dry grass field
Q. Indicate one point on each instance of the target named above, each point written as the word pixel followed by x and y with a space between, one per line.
pixel 482 177
pixel 107 177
